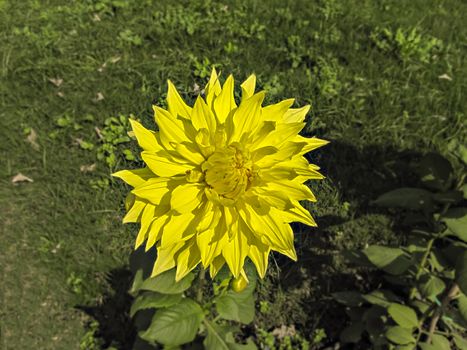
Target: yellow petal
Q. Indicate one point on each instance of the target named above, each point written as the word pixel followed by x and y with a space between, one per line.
pixel 311 143
pixel 247 117
pixel 213 88
pixel 202 116
pixel 165 258
pixel 248 87
pixel 175 102
pixel 210 244
pixel 176 229
pixel 235 251
pixel 293 189
pixel 135 177
pixel 296 115
pixel 277 233
pixel 282 134
pixel 134 214
pixel 153 190
pixel 163 166
pixel 259 254
pixel 171 129
pixel 298 214
pixel 276 111
pixel 187 259
pixel 185 198
pixel 155 231
pixel 190 152
pixel 225 102
pixel 147 139
pixel 216 265
pixel 146 220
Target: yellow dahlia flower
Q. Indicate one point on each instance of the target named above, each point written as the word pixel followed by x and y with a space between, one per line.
pixel 222 181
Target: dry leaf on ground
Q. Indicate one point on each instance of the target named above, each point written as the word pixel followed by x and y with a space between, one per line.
pixel 445 77
pixel 20 178
pixel 32 139
pixel 87 168
pixel 56 81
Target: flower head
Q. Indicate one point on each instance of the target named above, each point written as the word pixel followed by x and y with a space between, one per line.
pixel 222 181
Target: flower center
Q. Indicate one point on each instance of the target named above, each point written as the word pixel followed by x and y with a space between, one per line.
pixel 228 171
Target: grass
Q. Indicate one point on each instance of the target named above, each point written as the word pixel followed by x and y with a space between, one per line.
pixel 378 97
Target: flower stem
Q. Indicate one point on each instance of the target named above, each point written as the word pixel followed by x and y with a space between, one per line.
pixel 413 290
pixel 201 278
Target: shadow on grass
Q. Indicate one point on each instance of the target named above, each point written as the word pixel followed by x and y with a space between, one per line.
pixel 112 313
pixel 359 176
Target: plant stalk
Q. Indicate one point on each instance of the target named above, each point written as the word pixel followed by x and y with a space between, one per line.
pixel 439 311
pixel 201 278
pixel 413 290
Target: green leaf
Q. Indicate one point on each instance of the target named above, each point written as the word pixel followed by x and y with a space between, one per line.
pixel 137 282
pixel 175 325
pixel 440 342
pixel 456 221
pixel 382 297
pixel 236 306
pixel 239 306
pixel 403 315
pixel 154 300
pixel 221 338
pixel 435 171
pixel 460 342
pixel 216 336
pixel 406 198
pixel 352 333
pixel 348 298
pixel 431 286
pixel 391 260
pixel 399 335
pixel 462 306
pixel 165 283
pixel 461 272
pixel 464 191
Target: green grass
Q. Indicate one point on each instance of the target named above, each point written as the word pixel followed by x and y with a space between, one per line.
pixel 378 98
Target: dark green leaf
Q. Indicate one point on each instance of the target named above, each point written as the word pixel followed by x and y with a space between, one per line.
pixel 456 221
pixel 175 325
pixel 382 298
pixel 403 315
pixel 461 272
pixel 154 300
pixel 165 283
pixel 391 260
pixel 435 171
pixel 348 298
pixel 352 333
pixel 406 198
pixel 450 197
pixel 399 335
